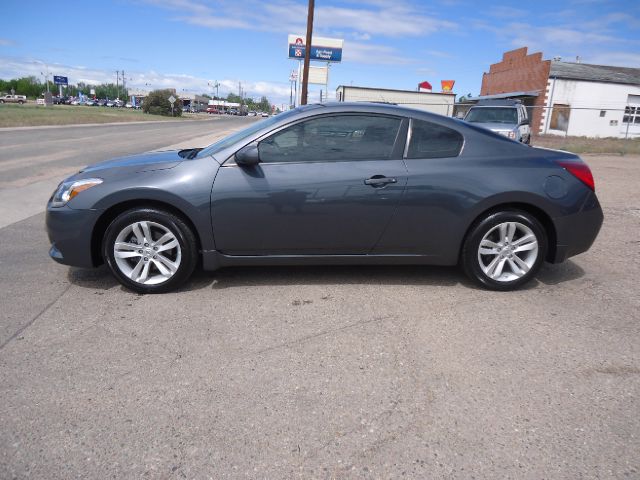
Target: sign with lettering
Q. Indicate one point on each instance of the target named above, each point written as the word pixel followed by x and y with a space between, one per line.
pixel 322 49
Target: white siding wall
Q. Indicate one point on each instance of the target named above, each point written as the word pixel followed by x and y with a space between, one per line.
pixel 596 96
pixel 431 102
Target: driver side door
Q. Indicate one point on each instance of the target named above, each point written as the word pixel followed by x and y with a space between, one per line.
pixel 328 185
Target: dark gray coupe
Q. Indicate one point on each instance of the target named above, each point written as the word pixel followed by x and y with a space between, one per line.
pixel 330 184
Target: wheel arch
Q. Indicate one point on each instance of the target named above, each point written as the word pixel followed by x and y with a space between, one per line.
pixel 541 215
pixel 105 219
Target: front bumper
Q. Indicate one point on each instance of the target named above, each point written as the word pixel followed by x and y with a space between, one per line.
pixel 70 233
pixel 576 233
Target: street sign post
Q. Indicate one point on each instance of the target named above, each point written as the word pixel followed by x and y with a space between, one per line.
pixel 172 100
pixel 322 49
pixel 60 81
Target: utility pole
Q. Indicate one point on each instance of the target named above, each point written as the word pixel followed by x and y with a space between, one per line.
pixel 215 85
pixel 307 54
pixel 117 84
pixel 124 89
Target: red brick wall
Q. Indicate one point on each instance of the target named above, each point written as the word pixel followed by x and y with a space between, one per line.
pixel 519 72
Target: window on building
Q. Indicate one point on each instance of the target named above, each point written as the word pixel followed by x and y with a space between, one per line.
pixel 560 115
pixel 632 110
pixel 429 140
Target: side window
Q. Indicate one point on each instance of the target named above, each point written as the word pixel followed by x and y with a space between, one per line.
pixel 333 138
pixel 430 140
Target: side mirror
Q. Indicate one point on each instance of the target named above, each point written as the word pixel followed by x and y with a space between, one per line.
pixel 248 156
pixel 525 122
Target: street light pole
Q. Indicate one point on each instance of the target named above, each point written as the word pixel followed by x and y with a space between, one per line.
pixel 307 54
pixel 45 74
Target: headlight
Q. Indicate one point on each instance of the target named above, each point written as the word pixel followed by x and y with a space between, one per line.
pixel 67 190
pixel 507 133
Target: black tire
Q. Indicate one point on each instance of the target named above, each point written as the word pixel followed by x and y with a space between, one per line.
pixel 183 234
pixel 471 259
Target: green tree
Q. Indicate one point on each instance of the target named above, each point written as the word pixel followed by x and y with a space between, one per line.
pixel 232 97
pixel 157 103
pixel 29 86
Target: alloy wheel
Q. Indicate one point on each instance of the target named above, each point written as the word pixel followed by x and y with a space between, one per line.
pixel 508 251
pixel 147 252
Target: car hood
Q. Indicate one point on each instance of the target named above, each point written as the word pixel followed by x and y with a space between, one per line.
pixel 145 162
pixel 495 126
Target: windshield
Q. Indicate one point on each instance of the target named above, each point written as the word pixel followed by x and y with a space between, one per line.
pixel 492 115
pixel 244 133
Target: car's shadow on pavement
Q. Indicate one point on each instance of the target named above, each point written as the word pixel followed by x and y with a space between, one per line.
pixel 554 274
pixel 101 278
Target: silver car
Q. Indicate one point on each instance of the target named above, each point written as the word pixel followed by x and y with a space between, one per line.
pixel 506 117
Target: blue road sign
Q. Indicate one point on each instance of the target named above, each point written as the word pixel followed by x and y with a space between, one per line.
pixel 59 80
pixel 325 54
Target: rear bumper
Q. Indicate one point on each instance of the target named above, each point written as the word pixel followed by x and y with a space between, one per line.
pixel 70 234
pixel 576 233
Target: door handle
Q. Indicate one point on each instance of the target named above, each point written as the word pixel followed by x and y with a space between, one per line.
pixel 378 181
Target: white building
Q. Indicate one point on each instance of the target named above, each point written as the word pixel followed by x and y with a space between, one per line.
pixel 441 103
pixel 592 101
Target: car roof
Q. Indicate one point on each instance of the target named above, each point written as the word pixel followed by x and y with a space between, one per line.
pixel 376 107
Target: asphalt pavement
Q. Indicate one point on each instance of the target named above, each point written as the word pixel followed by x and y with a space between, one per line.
pixel 323 372
pixel 34 160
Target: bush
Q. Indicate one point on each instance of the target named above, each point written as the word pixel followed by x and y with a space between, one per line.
pixel 157 103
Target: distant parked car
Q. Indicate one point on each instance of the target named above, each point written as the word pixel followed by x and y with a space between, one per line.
pixel 350 183
pixel 91 103
pixel 213 109
pixel 252 113
pixel 264 114
pixel 506 117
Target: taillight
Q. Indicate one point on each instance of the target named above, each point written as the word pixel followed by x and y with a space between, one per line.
pixel 580 170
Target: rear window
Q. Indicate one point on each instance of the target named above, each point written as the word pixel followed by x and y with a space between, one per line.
pixel 430 140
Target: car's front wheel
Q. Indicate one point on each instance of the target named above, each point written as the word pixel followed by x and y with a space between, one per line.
pixel 504 250
pixel 149 250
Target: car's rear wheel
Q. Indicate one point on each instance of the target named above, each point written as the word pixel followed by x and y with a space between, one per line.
pixel 149 250
pixel 504 250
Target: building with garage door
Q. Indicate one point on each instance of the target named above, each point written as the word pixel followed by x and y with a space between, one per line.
pixel 568 98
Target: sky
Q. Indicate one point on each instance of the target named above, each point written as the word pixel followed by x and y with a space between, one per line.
pixel 190 44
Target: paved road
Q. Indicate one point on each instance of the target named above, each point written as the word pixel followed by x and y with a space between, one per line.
pixel 34 160
pixel 271 373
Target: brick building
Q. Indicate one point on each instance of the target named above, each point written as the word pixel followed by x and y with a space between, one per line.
pixel 521 74
pixel 566 98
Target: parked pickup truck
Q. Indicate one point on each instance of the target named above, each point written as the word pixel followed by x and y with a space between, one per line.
pixel 13 99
